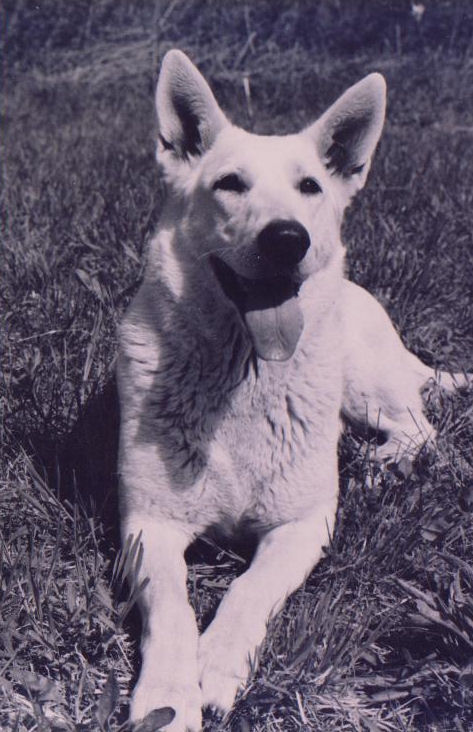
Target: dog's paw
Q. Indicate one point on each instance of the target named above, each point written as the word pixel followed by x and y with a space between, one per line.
pixel 174 709
pixel 224 664
pixel 405 443
pixel 219 690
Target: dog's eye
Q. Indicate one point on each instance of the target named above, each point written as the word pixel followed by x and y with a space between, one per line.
pixel 309 186
pixel 230 182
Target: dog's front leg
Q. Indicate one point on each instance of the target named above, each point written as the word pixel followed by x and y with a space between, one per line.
pixel 284 558
pixel 168 676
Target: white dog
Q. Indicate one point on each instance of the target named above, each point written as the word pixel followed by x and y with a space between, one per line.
pixel 237 355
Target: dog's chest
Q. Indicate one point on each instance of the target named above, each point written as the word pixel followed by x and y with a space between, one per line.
pixel 273 444
pixel 233 439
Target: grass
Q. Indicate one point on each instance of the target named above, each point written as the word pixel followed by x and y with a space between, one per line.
pixel 381 635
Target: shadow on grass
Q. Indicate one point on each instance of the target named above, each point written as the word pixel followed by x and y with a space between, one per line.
pixel 82 466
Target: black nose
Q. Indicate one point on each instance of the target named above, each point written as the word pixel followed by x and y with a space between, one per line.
pixel 283 243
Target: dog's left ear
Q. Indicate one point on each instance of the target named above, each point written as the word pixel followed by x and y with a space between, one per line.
pixel 347 134
pixel 189 117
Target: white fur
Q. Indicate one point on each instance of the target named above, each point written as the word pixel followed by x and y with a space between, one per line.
pixel 212 434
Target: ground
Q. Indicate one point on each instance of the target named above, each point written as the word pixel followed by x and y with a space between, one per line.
pixel 381 635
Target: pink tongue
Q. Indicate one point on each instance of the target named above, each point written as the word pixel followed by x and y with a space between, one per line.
pixel 276 331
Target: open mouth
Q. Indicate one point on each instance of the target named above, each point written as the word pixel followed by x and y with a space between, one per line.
pixel 269 306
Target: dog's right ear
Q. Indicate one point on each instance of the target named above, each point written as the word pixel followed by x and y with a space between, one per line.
pixel 189 117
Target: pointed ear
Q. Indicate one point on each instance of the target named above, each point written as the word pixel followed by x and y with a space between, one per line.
pixel 189 117
pixel 347 134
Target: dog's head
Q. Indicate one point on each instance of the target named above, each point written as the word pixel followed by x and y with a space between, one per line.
pixel 262 212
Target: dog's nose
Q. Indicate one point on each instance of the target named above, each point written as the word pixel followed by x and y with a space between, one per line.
pixel 283 243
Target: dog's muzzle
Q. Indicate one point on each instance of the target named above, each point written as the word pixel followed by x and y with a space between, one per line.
pixel 283 244
pixel 268 302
